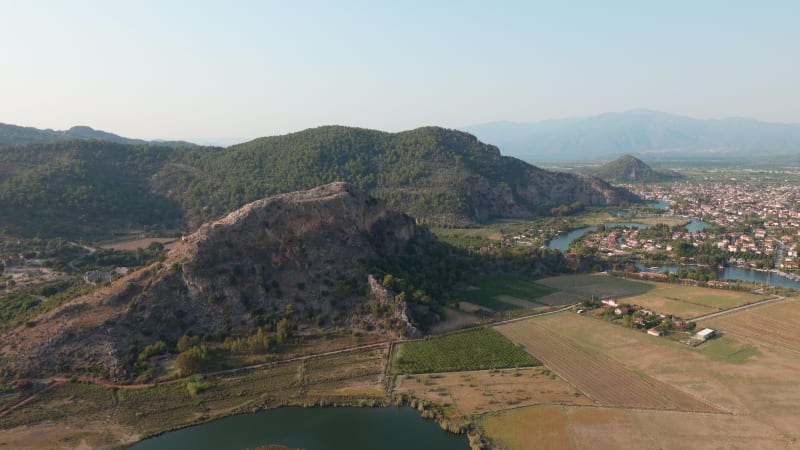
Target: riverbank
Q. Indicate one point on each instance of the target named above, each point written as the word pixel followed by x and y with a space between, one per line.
pixel 111 417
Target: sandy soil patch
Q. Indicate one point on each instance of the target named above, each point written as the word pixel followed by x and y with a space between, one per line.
pixel 138 243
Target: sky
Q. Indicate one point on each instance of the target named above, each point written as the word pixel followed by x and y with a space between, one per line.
pixel 227 71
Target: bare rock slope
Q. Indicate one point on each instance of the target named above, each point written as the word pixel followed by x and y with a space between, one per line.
pixel 308 249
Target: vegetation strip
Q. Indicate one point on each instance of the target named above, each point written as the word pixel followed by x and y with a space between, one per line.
pixel 468 350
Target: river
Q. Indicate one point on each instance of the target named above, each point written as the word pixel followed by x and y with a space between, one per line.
pixel 562 241
pixel 737 274
pixel 313 429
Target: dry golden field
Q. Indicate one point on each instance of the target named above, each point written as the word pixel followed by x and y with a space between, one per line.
pixel 138 243
pixel 749 378
pixel 603 379
pixel 688 302
pixel 581 427
pixel 481 391
pixel 774 324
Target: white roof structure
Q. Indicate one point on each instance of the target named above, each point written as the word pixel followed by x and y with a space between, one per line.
pixel 704 334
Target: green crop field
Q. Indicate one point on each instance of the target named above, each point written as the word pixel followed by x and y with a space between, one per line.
pixel 597 285
pixel 729 350
pixel 469 350
pixel 489 289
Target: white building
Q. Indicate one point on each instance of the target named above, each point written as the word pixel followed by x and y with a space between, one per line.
pixel 705 334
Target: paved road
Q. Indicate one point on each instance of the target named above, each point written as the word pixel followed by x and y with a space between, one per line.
pixel 738 308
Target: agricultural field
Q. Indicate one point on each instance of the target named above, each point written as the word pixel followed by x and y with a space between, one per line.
pixel 688 302
pixel 601 378
pixel 531 428
pixel 465 237
pixel 728 349
pixel 503 293
pixel 774 324
pixel 748 381
pixel 598 285
pixel 468 350
pixel 126 415
pixel 581 427
pixel 597 218
pixel 745 387
pixel 481 391
pixel 456 319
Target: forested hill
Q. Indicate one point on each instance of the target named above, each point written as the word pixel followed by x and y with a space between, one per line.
pixel 79 188
pixel 434 174
pixel 82 189
pixel 629 169
pixel 14 135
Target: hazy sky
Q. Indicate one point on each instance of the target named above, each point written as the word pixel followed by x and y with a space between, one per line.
pixel 233 70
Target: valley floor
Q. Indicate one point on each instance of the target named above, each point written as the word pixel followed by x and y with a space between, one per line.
pixel 563 380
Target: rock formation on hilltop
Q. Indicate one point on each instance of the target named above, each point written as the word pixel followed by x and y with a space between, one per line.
pixel 302 255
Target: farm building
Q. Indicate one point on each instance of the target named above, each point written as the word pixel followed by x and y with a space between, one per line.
pixel 654 332
pixel 610 302
pixel 705 334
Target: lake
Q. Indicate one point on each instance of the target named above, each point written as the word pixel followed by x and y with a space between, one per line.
pixel 313 429
pixel 661 204
pixel 696 225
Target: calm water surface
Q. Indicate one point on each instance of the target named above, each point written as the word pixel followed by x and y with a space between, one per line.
pixel 562 241
pixel 313 429
pixel 737 273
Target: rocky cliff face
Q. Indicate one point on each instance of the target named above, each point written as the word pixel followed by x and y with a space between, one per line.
pixel 304 252
pixel 530 190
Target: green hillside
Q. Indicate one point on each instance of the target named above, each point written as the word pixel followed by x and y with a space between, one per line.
pixel 82 189
pixel 15 135
pixel 85 188
pixel 629 169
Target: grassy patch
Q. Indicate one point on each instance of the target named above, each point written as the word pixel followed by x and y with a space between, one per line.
pixel 350 378
pixel 692 301
pixel 598 285
pixel 490 288
pixel 729 350
pixel 470 350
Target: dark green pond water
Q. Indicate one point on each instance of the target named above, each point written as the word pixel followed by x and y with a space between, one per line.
pixel 313 429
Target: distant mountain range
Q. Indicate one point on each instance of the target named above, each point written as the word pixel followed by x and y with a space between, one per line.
pixel 14 134
pixel 655 135
pixel 629 169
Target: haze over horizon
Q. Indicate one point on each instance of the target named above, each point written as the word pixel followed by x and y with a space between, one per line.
pixel 213 73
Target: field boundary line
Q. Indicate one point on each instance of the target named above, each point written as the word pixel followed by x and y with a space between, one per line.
pixel 737 309
pixel 599 406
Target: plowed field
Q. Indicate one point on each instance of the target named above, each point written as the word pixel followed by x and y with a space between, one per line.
pixel 603 379
pixel 774 324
